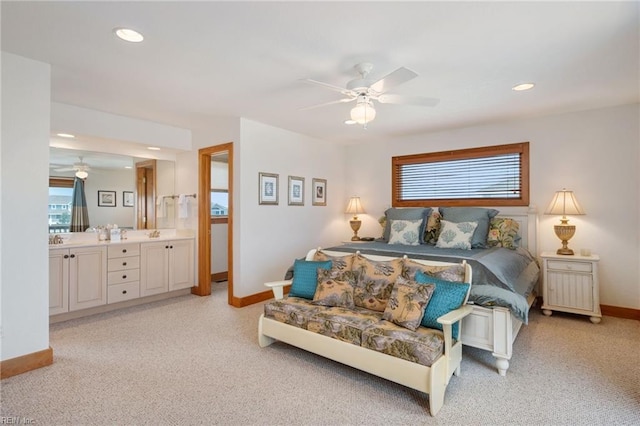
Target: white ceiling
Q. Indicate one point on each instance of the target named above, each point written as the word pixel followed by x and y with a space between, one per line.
pixel 246 59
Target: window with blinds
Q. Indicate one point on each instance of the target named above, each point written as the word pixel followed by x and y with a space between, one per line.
pixel 494 175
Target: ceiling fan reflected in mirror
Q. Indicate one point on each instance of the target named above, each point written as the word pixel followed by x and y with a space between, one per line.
pixel 81 168
pixel 365 90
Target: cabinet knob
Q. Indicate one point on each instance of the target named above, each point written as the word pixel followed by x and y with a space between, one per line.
pixel 72 256
pixel 124 250
pixel 66 256
pixel 124 276
pixel 124 263
pixel 124 291
pixel 166 247
pixel 171 247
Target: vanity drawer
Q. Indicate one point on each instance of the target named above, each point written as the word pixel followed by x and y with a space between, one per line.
pixel 122 292
pixel 559 265
pixel 123 263
pixel 123 250
pixel 119 277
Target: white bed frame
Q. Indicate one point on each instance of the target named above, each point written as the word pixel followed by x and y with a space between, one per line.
pixel 495 329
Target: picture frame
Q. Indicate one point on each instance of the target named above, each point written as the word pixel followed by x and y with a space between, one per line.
pixel 268 189
pixel 296 191
pixel 127 199
pixel 106 198
pixel 319 192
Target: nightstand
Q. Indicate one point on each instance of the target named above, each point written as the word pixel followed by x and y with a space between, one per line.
pixel 570 284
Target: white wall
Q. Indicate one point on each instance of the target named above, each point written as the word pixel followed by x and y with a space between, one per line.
pixel 24 255
pixel 271 237
pixel 118 181
pixel 594 153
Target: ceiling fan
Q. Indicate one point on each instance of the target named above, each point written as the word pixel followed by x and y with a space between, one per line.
pixel 81 168
pixel 364 91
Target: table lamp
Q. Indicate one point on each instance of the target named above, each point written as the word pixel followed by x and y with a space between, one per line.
pixel 355 208
pixel 564 202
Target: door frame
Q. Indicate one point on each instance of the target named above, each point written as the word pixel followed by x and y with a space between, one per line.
pixel 204 221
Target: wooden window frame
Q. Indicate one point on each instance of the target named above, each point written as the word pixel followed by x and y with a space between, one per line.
pixel 521 148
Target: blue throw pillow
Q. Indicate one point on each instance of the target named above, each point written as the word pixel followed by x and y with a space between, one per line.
pixel 305 277
pixel 472 214
pixel 446 297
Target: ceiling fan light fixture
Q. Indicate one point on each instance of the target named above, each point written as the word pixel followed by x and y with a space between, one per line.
pixel 522 87
pixel 363 112
pixel 66 135
pixel 82 174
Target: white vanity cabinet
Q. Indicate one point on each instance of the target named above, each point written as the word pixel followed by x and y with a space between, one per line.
pixel 77 278
pixel 166 266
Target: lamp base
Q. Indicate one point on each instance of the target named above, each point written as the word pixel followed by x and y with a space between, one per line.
pixel 355 226
pixel 565 251
pixel 564 232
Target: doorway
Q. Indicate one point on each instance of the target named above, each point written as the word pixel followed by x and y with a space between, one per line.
pixel 146 194
pixel 207 216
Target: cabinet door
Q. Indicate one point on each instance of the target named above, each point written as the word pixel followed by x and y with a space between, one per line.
pixel 58 281
pixel 87 277
pixel 154 268
pixel 181 273
pixel 570 290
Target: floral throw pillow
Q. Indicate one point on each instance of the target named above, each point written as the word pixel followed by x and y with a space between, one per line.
pixel 432 230
pixel 339 263
pixel 455 273
pixel 374 281
pixel 334 290
pixel 407 303
pixel 456 235
pixel 503 232
pixel 406 232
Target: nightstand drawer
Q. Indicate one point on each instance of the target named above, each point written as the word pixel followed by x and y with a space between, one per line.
pixel 122 292
pixel 559 265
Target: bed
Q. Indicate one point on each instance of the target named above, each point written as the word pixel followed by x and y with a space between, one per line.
pixel 503 289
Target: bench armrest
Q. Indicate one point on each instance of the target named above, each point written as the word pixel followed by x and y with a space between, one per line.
pixel 456 315
pixel 278 288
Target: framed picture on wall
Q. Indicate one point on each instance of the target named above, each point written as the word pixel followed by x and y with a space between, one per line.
pixel 106 198
pixel 319 192
pixel 268 187
pixel 127 198
pixel 296 191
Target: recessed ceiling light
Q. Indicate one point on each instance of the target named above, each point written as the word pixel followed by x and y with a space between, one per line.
pixel 153 148
pixel 65 135
pixel 349 122
pixel 523 86
pixel 128 167
pixel 127 34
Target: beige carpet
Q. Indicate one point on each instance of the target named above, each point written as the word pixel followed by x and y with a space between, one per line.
pixel 195 360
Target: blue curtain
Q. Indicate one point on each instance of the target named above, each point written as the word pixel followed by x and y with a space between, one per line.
pixel 79 213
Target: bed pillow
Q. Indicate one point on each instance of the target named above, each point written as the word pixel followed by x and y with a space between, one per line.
pixel 407 303
pixel 305 277
pixel 471 214
pixel 456 235
pixel 334 290
pixel 413 213
pixel 503 232
pixel 432 230
pixel 405 232
pixel 454 273
pixel 447 296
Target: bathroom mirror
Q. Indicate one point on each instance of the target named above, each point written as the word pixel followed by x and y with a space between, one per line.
pixel 111 189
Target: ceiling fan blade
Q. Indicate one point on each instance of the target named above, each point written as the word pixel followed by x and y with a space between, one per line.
pixel 342 90
pixel 396 78
pixel 339 101
pixel 64 169
pixel 408 100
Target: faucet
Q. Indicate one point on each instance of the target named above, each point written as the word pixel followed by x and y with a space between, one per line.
pixel 154 234
pixel 55 239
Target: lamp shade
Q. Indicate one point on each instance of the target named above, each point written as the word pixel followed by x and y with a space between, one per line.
pixel 355 206
pixel 564 203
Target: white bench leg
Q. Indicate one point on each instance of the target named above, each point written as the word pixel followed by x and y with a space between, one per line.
pixel 263 340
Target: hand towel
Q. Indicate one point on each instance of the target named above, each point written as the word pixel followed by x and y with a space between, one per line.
pixel 183 206
pixel 161 206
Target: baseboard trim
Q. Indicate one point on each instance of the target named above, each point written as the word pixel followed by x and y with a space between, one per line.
pixel 220 276
pixel 22 364
pixel 618 312
pixel 240 302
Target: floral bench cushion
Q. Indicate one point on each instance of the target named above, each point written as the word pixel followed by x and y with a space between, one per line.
pixel 423 346
pixel 346 324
